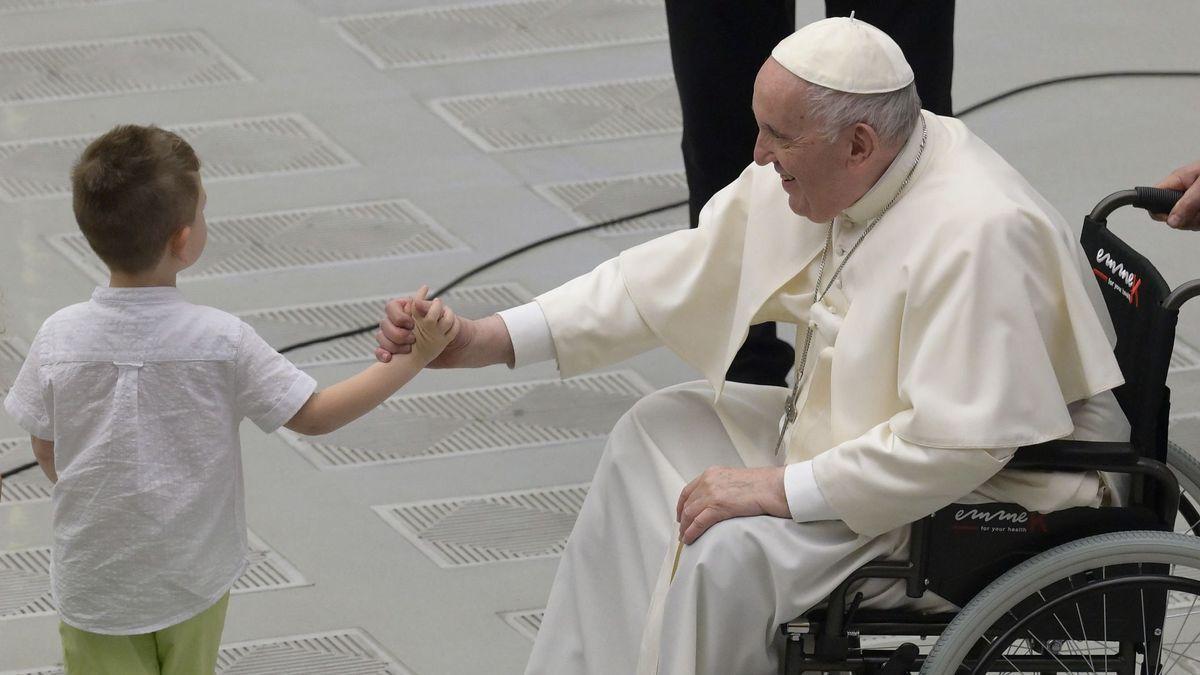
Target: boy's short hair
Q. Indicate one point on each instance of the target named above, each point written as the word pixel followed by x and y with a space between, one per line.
pixel 133 189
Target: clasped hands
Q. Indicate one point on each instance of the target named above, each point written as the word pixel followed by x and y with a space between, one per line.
pixel 432 327
pixel 719 493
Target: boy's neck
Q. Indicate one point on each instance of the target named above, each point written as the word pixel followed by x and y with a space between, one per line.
pixel 147 279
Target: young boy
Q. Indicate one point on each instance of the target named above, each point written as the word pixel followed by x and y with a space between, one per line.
pixel 133 401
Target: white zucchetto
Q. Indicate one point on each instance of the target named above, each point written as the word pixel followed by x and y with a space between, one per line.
pixel 845 54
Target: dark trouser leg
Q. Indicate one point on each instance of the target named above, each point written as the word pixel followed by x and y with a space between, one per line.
pixel 924 29
pixel 717 47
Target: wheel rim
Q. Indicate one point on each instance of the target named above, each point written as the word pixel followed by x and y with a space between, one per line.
pixel 1166 642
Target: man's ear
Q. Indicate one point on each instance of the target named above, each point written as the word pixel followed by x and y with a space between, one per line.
pixel 178 242
pixel 864 143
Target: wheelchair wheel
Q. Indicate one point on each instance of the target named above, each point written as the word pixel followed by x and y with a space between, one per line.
pixel 1127 602
pixel 1187 469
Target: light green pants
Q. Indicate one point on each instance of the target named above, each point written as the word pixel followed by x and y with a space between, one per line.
pixel 187 648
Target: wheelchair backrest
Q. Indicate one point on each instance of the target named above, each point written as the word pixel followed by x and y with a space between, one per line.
pixel 1133 293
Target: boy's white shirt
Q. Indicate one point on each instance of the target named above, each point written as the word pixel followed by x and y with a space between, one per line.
pixel 143 394
pixel 963 327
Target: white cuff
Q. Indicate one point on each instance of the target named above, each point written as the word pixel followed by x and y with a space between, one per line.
pixel 804 497
pixel 530 334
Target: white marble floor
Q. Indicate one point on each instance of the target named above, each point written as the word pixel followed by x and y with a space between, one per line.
pixel 355 149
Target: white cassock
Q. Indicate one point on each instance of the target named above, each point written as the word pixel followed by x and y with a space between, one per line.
pixel 962 328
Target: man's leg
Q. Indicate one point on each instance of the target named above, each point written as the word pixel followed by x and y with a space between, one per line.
pixel 718 46
pixel 744 577
pixel 190 647
pixel 596 614
pixel 87 653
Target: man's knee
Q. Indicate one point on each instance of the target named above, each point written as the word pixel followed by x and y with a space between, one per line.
pixel 676 406
pixel 733 543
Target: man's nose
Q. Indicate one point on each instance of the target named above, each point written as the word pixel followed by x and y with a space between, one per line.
pixel 762 153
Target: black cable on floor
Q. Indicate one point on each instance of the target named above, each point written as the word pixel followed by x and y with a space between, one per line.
pixel 666 207
pixel 496 261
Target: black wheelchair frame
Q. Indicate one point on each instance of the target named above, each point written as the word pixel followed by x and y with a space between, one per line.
pixel 960 549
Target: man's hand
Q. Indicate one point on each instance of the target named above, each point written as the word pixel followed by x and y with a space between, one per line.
pixel 1186 214
pixel 722 492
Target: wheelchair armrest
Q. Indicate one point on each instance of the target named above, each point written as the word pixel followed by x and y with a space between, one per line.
pixel 1068 455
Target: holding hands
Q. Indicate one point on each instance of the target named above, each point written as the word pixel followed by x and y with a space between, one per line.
pixel 472 343
pixel 434 326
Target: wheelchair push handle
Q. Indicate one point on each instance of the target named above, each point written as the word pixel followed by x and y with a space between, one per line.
pixel 1154 200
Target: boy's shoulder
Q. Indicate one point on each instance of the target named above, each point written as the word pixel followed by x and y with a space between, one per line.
pixel 180 328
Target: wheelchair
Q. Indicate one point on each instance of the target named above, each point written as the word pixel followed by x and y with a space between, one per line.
pixel 1107 589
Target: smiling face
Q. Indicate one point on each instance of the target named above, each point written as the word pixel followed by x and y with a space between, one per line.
pixel 817 174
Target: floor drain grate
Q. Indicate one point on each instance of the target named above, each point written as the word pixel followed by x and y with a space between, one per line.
pixel 595 201
pixel 28 486
pixel 287 325
pixel 341 652
pixel 13 6
pixel 12 355
pixel 25 578
pixel 240 148
pixel 303 238
pixel 469 531
pixel 466 33
pixel 467 421
pixel 566 115
pixel 1184 356
pixel 526 622
pixel 110 67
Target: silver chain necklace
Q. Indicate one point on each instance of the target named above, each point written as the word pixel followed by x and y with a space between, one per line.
pixel 789 410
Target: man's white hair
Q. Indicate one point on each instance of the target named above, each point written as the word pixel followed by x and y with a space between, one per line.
pixel 893 115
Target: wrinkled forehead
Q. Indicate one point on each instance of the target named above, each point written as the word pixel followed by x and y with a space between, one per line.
pixel 779 99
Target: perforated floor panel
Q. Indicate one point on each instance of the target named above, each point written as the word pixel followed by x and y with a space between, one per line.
pixel 468 421
pixel 1184 356
pixel 239 148
pixel 464 33
pixel 527 622
pixel 27 486
pixel 492 528
pixel 565 115
pixel 14 6
pixel 12 355
pixel 341 652
pixel 595 201
pixel 25 578
pixel 303 238
pixel 108 67
pixel 288 325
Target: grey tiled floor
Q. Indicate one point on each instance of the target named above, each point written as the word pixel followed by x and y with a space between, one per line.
pixel 355 149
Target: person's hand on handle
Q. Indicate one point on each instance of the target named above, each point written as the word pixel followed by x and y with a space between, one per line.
pixel 1186 214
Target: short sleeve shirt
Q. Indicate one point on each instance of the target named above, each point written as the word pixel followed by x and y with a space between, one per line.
pixel 142 394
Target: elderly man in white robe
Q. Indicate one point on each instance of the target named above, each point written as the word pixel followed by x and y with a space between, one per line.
pixel 945 317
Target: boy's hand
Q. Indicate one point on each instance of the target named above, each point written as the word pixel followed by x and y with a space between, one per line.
pixel 433 327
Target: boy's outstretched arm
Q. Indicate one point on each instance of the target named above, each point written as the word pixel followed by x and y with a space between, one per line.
pixel 346 401
pixel 43 451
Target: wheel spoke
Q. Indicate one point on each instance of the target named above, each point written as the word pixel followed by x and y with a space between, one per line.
pixel 1182 623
